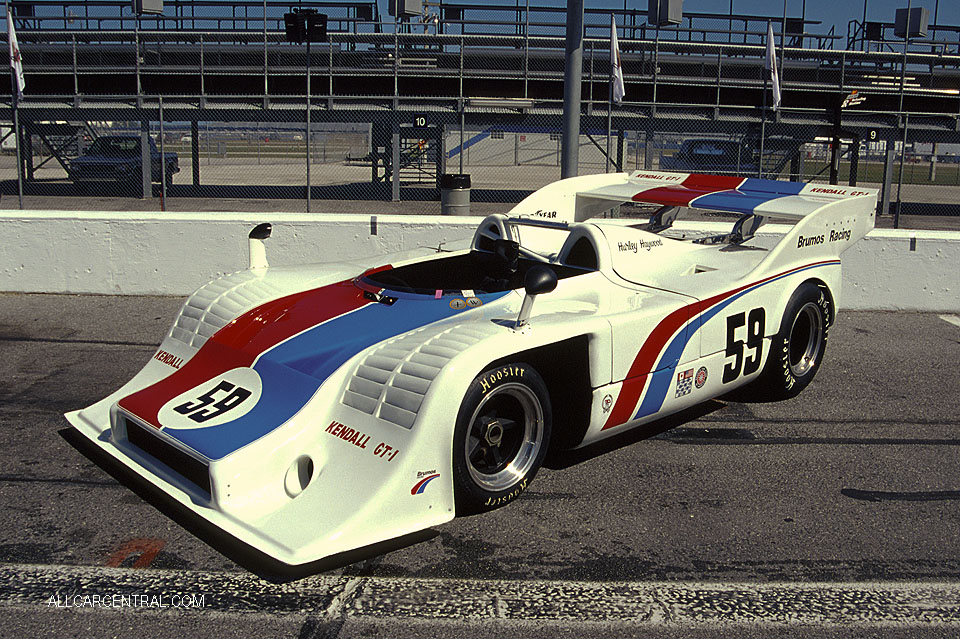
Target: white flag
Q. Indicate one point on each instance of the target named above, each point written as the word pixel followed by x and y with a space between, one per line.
pixel 616 71
pixel 15 63
pixel 770 64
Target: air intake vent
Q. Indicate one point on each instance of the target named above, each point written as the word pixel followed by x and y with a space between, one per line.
pixel 190 468
pixel 392 380
pixel 216 304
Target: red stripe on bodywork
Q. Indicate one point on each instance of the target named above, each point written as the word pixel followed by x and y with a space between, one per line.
pixel 239 343
pixel 636 380
pixel 692 187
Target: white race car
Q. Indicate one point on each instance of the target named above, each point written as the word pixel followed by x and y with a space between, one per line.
pixel 316 410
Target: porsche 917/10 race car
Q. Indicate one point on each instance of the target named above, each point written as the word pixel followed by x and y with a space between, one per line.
pixel 315 410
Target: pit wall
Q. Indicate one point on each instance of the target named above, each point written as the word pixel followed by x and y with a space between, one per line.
pixel 172 254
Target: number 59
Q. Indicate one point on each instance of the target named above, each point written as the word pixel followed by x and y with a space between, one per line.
pixel 746 365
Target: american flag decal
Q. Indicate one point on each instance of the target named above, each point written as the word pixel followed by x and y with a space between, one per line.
pixel 684 382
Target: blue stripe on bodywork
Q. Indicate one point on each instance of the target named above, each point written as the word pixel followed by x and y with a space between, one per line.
pixel 660 381
pixel 294 370
pixel 748 196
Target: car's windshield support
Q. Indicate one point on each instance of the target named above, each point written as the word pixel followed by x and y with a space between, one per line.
pixel 663 219
pixel 743 230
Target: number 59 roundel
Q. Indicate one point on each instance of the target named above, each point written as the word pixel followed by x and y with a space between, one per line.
pixel 218 401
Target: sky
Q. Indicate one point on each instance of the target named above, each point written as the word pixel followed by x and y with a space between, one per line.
pixel 836 13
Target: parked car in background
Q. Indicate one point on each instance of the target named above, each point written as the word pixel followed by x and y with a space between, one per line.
pixel 117 158
pixel 713 156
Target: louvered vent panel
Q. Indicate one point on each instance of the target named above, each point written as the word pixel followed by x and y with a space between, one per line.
pixel 392 381
pixel 216 304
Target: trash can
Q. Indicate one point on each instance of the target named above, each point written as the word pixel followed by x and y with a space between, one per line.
pixel 455 194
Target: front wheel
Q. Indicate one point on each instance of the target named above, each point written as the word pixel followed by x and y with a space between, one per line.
pixel 796 351
pixel 501 437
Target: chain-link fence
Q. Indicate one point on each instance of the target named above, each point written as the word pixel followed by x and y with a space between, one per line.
pixel 394 104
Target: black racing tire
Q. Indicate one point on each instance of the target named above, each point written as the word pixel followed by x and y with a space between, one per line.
pixel 501 437
pixel 796 351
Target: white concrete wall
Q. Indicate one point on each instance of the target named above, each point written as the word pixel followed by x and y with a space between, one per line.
pixel 172 254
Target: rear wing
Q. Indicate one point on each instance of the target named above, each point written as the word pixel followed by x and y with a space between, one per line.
pixel 833 217
pixel 580 198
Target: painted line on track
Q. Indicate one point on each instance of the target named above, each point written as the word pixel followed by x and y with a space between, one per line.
pixel 648 603
pixel 951 319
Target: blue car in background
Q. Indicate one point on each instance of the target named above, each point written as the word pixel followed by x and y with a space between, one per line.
pixel 712 156
pixel 117 158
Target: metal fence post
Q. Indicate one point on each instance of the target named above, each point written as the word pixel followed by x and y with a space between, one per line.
pixel 887 177
pixel 145 159
pixel 647 151
pixel 195 153
pixel 903 160
pixel 854 161
pixel 933 163
pixel 572 75
pixel 307 109
pixel 163 160
pixel 395 165
pixel 17 139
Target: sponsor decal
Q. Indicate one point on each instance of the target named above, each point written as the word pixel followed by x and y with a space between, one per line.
pixel 829 191
pixel 631 247
pixel 385 451
pixel 424 478
pixel 701 378
pixel 490 379
pixel 513 494
pixel 684 382
pixel 544 214
pixel 458 304
pixel 168 358
pixel 607 403
pixel 224 398
pixel 657 176
pixel 842 235
pixel 474 302
pixel 348 434
pixel 804 242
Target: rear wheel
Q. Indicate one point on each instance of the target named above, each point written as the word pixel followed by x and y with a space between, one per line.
pixel 501 437
pixel 796 351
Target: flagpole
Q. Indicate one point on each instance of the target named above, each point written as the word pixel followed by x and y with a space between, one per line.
pixel 609 117
pixel 763 114
pixel 614 67
pixel 15 103
pixel 763 129
pixel 16 143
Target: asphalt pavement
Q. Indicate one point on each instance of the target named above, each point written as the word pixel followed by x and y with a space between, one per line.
pixel 830 515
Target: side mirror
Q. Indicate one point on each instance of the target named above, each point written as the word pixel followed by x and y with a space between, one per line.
pixel 538 280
